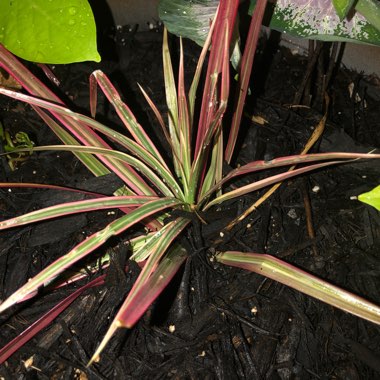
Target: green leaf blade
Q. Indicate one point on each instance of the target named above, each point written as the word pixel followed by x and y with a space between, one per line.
pixel 302 281
pixel 151 282
pixel 151 290
pixel 342 7
pixel 188 19
pixel 15 344
pixel 71 208
pixel 86 247
pixel 255 166
pixel 371 198
pixel 49 31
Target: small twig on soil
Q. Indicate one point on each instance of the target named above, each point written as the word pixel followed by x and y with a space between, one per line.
pixel 291 251
pixel 308 215
pixel 332 64
pixel 310 67
pixel 246 322
pixel 317 133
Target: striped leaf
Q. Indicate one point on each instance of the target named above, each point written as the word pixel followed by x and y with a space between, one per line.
pixel 86 247
pixel 302 281
pixel 152 280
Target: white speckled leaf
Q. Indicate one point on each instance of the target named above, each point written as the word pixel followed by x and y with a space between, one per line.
pixel 315 19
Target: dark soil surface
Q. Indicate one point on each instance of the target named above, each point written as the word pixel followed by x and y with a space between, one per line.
pixel 236 325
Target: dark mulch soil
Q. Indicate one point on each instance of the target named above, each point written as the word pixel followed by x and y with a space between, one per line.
pixel 236 324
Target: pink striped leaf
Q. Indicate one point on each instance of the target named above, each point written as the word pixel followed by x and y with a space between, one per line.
pixel 266 182
pixel 302 281
pixel 282 161
pixel 70 208
pixel 125 114
pixel 81 131
pixel 152 280
pixel 10 348
pixel 87 246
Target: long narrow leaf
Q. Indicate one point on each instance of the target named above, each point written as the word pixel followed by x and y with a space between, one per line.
pixel 171 101
pixel 74 208
pixel 298 279
pixel 126 115
pixel 176 159
pixel 216 159
pixel 137 185
pixel 226 16
pixel 23 76
pixel 244 75
pixel 33 85
pixel 157 246
pixel 91 162
pixel 198 70
pixel 120 156
pixel 148 286
pixel 201 158
pixel 15 344
pixel 87 246
pixel 266 182
pixel 184 126
pixel 81 131
pixel 156 283
pixel 285 161
pixel 129 144
pixel 158 116
pixel 296 160
pixel 132 161
pixel 46 186
pixel 153 225
pixel 217 107
pixel 100 263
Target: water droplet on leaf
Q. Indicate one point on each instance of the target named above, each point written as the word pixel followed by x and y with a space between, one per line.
pixel 72 10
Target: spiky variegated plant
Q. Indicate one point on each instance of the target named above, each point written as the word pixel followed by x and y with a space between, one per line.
pixel 192 181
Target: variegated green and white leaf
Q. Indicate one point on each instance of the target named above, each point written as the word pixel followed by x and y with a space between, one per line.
pixel 315 19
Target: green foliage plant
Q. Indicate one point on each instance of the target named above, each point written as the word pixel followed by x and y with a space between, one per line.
pixel 325 20
pixel 49 31
pixel 154 190
pixel 9 145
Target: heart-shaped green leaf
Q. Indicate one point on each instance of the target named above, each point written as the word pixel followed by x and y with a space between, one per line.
pixel 372 198
pixel 49 31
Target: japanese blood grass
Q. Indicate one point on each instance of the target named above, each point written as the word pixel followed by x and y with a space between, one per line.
pixel 192 181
